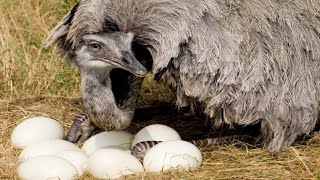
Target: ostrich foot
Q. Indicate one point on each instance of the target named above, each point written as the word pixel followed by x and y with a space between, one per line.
pixel 81 129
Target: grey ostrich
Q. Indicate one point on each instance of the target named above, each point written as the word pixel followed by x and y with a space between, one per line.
pixel 239 62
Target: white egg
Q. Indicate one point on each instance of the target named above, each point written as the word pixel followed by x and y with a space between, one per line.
pixel 77 158
pixel 113 163
pixel 47 167
pixel 104 139
pixel 168 155
pixel 35 130
pixel 117 147
pixel 51 147
pixel 156 132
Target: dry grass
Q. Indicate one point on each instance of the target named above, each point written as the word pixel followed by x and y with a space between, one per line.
pixel 34 81
pixel 26 68
pixel 236 160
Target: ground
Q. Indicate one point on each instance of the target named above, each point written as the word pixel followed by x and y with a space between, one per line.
pixel 34 82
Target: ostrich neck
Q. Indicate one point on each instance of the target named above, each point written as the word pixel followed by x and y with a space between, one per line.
pixel 100 103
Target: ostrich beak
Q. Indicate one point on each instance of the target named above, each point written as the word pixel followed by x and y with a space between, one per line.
pixel 131 64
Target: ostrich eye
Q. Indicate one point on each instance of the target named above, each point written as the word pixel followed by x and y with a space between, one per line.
pixel 94 46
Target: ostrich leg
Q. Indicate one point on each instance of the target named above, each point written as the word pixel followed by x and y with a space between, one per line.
pixel 81 129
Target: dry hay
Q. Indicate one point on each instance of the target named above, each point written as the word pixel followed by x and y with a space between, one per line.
pixel 236 160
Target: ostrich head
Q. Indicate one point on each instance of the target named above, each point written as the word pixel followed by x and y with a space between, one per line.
pixel 106 51
pixel 110 78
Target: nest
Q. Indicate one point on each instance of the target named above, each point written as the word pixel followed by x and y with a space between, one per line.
pixel 234 160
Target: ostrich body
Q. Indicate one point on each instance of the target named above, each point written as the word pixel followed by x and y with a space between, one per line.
pixel 239 62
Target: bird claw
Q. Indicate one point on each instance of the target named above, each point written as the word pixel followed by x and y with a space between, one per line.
pixel 81 129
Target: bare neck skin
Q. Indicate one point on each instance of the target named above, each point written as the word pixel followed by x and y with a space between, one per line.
pixel 100 102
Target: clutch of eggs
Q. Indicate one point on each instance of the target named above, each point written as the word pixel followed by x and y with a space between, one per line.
pixel 105 155
pixel 45 155
pixel 172 153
